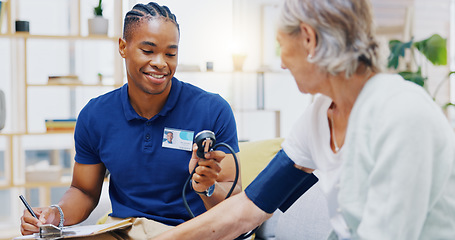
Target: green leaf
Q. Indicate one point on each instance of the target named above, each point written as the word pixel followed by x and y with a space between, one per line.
pixel 397 50
pixel 434 49
pixel 448 105
pixel 415 77
pixel 98 11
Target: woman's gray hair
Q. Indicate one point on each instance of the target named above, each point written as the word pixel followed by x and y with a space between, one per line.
pixel 344 29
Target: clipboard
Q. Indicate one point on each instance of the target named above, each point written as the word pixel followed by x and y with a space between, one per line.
pixel 50 231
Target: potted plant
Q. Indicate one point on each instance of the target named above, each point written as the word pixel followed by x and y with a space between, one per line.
pixel 98 25
pixel 431 50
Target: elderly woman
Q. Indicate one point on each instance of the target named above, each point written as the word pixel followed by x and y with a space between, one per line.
pixel 384 150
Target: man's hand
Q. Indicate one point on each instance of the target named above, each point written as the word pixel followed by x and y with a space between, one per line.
pixel 30 225
pixel 208 170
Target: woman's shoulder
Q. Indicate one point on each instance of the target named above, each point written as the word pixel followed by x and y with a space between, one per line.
pixel 388 97
pixel 387 85
pixel 386 90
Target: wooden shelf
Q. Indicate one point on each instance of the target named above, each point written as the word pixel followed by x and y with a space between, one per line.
pixel 18 137
pixel 259 71
pixel 35 133
pixel 74 85
pixel 62 37
pixel 37 184
pixel 64 182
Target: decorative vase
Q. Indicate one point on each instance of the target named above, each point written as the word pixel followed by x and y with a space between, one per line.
pixel 98 25
pixel 238 60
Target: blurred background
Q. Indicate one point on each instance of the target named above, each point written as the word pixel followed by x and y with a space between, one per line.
pixel 51 68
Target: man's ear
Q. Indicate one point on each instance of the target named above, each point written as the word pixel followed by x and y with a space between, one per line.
pixel 122 47
pixel 309 37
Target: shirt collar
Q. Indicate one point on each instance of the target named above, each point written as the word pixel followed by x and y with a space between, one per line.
pixel 173 97
pixel 130 113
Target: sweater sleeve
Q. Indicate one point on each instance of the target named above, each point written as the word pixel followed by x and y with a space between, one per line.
pixel 405 144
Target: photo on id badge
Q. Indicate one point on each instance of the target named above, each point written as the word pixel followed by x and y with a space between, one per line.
pixel 178 139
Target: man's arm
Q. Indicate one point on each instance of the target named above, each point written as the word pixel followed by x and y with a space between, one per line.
pixel 77 203
pixel 84 193
pixel 227 220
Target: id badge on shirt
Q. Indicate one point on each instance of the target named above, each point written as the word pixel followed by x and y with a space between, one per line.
pixel 178 139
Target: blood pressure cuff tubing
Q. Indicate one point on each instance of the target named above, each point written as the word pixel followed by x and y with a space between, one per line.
pixel 279 185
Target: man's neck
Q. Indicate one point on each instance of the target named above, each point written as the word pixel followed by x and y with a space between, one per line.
pixel 148 105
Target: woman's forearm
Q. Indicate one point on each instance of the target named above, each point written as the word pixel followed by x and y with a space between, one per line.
pixel 226 220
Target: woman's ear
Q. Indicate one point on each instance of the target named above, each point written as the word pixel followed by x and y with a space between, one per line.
pixel 122 47
pixel 309 37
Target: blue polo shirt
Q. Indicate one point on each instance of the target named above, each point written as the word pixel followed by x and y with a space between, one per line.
pixel 147 177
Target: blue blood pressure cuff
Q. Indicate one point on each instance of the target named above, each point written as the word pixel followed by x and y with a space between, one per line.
pixel 279 185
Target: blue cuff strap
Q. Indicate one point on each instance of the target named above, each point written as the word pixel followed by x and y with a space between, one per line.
pixel 279 185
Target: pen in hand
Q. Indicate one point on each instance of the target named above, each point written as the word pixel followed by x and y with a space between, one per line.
pixel 28 206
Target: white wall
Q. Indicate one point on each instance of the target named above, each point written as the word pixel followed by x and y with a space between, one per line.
pixel 213 30
pixel 205 31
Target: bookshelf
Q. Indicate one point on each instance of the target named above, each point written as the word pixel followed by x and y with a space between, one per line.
pixel 26 81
